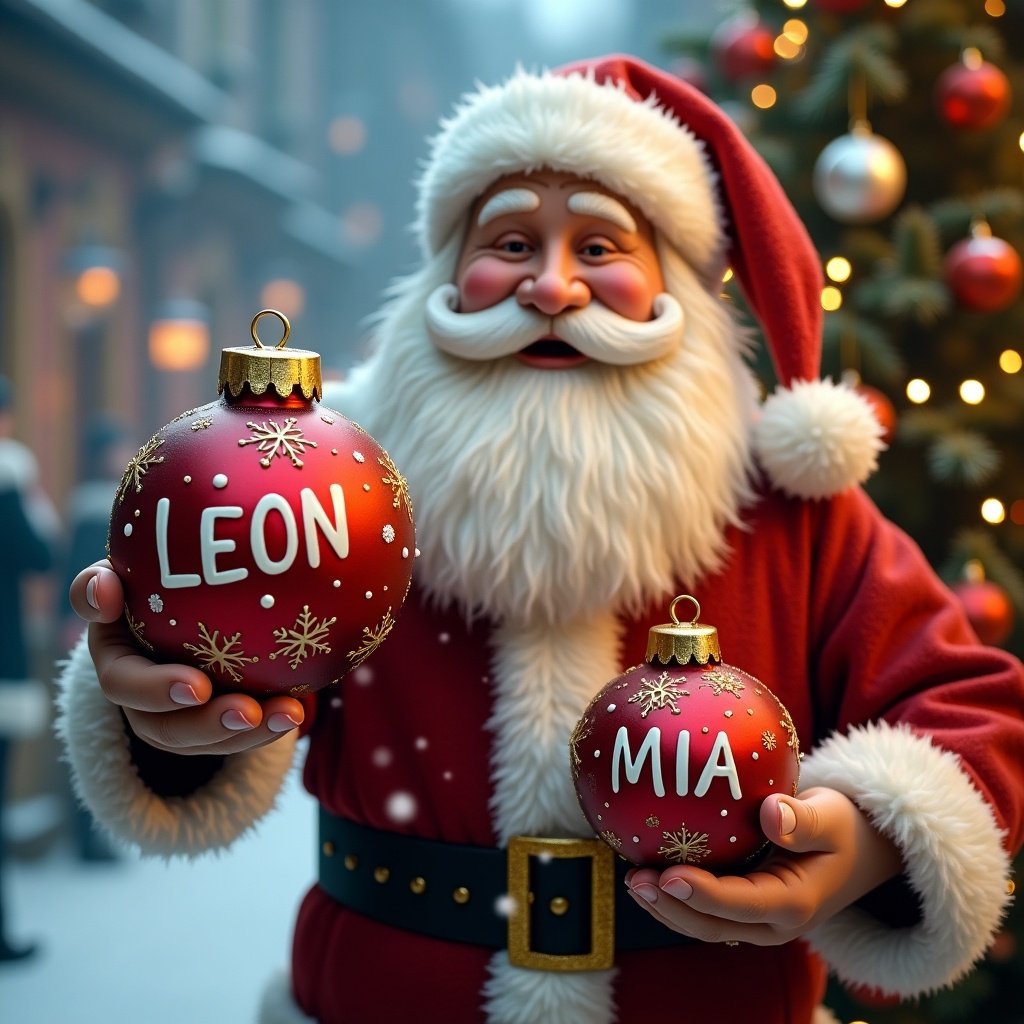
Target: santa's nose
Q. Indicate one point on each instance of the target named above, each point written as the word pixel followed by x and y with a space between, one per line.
pixel 554 289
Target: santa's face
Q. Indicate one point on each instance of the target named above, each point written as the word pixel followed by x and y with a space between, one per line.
pixel 554 271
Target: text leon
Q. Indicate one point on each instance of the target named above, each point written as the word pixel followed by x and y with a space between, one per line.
pixel 720 763
pixel 316 522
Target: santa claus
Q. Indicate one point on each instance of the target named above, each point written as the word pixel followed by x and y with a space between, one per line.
pixel 566 391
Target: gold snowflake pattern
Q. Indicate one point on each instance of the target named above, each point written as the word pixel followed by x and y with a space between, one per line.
pixel 372 639
pixel 302 688
pixel 137 628
pixel 202 424
pixel 306 636
pixel 215 652
pixel 768 740
pixel 185 415
pixel 721 682
pixel 787 723
pixel 657 694
pixel 653 821
pixel 398 484
pixel 684 847
pixel 583 729
pixel 611 839
pixel 139 466
pixel 277 439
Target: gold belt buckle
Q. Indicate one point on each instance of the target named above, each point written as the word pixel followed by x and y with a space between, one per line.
pixel 602 903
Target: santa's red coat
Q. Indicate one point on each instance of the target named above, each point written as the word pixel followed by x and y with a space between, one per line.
pixel 829 604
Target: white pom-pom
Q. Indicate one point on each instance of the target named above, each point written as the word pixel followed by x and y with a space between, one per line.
pixel 816 438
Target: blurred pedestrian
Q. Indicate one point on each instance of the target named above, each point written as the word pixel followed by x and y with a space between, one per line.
pixel 29 528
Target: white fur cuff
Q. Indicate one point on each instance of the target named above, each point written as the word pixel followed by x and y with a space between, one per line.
pixel 106 779
pixel 815 438
pixel 921 798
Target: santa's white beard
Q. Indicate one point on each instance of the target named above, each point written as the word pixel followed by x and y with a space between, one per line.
pixel 547 495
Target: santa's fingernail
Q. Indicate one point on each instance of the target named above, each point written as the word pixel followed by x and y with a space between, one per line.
pixel 90 593
pixel 678 888
pixel 281 722
pixel 182 693
pixel 787 819
pixel 646 892
pixel 235 721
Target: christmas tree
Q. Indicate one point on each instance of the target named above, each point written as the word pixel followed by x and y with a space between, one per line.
pixel 894 129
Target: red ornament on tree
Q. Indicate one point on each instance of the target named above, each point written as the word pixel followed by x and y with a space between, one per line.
pixel 973 94
pixel 743 47
pixel 263 538
pixel 987 605
pixel 983 272
pixel 673 758
pixel 884 410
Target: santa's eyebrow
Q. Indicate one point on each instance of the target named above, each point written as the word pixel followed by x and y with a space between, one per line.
pixel 511 200
pixel 597 204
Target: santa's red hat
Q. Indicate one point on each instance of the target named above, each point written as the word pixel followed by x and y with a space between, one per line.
pixel 678 157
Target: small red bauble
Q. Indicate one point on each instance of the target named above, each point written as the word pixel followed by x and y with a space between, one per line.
pixel 972 94
pixel 673 758
pixel 263 538
pixel 983 272
pixel 743 47
pixel 988 609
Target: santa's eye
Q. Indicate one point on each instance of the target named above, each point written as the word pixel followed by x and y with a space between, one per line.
pixel 514 246
pixel 596 249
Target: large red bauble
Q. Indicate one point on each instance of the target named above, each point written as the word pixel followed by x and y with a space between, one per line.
pixel 672 760
pixel 267 541
pixel 988 609
pixel 743 47
pixel 973 96
pixel 984 273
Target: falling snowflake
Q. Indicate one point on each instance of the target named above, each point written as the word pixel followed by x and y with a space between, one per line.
pixel 657 694
pixel 388 533
pixel 216 653
pixel 684 847
pixel 202 424
pixel 372 639
pixel 278 439
pixel 306 636
pixel 768 740
pixel 721 682
pixel 611 838
pixel 400 807
pixel 156 603
pixel 583 729
pixel 139 467
pixel 398 484
pixel 137 629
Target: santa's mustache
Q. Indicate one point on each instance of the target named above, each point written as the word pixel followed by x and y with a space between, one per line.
pixel 595 330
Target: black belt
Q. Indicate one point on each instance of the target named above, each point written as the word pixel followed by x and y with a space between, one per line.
pixel 555 904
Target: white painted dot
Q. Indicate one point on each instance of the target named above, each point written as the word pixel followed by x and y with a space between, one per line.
pixel 607 804
pixel 334 451
pixel 443 638
pixel 220 481
pixel 611 707
pixel 405 552
pixel 705 729
pixel 771 782
pixel 385 589
pixel 732 839
pixel 172 622
pixel 421 743
pixel 750 711
pixel 382 757
pixel 138 512
pixel 388 533
pixel 188 479
pixel 400 807
pixel 359 456
pixel 128 529
pixel 725 813
pixel 417 552
pixel 597 753
pixel 368 595
pixel 267 600
pixel 755 755
pixel 366 487
pixel 336 583
pixel 728 714
pixel 636 839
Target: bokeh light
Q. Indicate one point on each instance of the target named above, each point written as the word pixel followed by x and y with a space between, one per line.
pixel 993 511
pixel 972 391
pixel 918 390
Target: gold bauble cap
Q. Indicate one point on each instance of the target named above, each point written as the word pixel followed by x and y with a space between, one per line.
pixel 261 367
pixel 683 641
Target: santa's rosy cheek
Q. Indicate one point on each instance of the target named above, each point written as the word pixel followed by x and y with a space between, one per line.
pixel 486 282
pixel 625 288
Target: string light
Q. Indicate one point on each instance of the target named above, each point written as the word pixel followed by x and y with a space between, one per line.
pixel 795 5
pixel 796 31
pixel 785 48
pixel 972 391
pixel 763 96
pixel 838 269
pixel 1010 361
pixel 918 390
pixel 831 298
pixel 895 3
pixel 98 287
pixel 993 511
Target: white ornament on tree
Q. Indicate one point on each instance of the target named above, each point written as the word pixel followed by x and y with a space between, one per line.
pixel 860 177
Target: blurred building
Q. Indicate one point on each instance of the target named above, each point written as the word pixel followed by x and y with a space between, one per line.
pixel 162 178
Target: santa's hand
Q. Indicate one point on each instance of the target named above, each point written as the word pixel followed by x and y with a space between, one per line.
pixel 828 855
pixel 171 707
